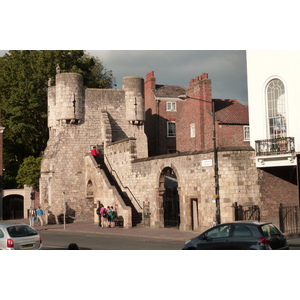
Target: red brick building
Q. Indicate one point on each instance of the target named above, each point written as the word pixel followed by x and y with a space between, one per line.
pixel 180 125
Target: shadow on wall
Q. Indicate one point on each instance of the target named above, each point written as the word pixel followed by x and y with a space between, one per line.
pixel 69 216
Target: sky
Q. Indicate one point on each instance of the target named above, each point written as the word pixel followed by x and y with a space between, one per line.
pixel 226 69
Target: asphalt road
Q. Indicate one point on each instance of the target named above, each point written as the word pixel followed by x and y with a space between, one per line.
pixel 59 240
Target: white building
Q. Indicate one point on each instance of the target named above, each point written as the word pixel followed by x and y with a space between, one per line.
pixel 274 105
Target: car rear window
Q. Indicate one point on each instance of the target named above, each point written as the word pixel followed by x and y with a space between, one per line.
pixel 20 230
pixel 270 229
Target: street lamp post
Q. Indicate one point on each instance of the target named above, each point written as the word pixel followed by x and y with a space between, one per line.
pixel 157 127
pixel 64 207
pixel 216 166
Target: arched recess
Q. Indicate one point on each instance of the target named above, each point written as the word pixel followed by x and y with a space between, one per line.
pixel 13 207
pixel 90 205
pixel 89 189
pixel 169 198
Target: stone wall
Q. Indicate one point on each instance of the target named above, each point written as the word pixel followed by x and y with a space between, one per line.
pixel 237 172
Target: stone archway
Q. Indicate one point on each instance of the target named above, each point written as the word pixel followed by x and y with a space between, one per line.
pixel 169 198
pixel 13 207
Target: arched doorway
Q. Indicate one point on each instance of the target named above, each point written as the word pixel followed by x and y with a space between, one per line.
pixel 13 207
pixel 171 211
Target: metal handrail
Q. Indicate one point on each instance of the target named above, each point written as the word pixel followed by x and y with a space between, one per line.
pixel 120 182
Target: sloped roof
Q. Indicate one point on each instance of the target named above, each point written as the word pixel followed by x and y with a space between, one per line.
pixel 168 91
pixel 230 111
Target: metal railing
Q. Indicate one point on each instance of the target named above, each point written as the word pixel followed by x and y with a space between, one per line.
pixel 276 146
pixel 246 212
pixel 118 180
pixel 289 218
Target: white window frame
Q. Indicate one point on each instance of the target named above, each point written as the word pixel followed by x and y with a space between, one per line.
pixel 171 106
pixel 169 130
pixel 276 108
pixel 193 130
pixel 246 133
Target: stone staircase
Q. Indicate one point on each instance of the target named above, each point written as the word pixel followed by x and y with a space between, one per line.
pixel 136 216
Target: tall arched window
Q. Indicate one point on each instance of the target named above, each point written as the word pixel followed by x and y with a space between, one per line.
pixel 276 108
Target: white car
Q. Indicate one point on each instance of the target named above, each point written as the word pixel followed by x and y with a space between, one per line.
pixel 19 236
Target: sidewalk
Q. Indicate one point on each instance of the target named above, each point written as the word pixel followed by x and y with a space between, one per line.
pixel 294 241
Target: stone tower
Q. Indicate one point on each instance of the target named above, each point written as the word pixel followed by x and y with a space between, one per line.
pixel 134 98
pixel 66 100
pixel 79 119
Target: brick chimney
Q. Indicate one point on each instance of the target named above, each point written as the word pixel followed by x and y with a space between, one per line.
pixel 150 81
pixel 149 86
pixel 200 88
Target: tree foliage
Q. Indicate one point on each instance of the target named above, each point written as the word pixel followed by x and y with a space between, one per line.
pixel 24 79
pixel 29 172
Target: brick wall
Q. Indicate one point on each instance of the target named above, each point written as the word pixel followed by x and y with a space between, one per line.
pixel 277 185
pixel 231 135
pixel 151 123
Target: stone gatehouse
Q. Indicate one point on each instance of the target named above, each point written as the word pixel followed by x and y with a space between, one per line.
pixel 174 190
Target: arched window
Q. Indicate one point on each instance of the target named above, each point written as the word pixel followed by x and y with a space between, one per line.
pixel 276 108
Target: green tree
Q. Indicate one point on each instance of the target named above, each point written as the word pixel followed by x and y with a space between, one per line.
pixel 23 98
pixel 29 172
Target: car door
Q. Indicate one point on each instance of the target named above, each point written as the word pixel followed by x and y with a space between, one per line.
pixel 217 238
pixel 242 238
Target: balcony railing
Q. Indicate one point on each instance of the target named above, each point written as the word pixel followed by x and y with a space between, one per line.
pixel 276 146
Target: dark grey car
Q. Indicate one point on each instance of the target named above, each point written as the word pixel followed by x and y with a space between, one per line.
pixel 241 235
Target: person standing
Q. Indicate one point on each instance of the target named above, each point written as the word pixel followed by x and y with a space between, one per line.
pixel 103 216
pixel 109 216
pixel 40 213
pixel 31 216
pixel 113 215
pixel 98 211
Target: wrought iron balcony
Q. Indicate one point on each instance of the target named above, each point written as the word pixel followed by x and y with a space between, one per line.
pixel 276 146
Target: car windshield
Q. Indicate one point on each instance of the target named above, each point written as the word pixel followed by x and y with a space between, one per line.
pixel 270 229
pixel 20 230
